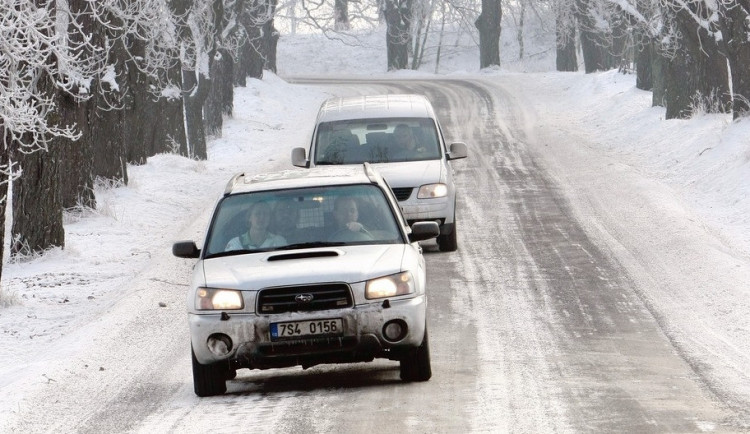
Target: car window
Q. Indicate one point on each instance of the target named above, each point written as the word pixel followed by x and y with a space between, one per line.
pixel 283 219
pixel 376 141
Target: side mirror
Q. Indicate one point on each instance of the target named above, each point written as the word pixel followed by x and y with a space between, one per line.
pixel 423 231
pixel 457 150
pixel 185 249
pixel 299 158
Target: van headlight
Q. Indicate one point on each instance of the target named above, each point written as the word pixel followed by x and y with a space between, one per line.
pixel 218 299
pixel 390 286
pixel 432 191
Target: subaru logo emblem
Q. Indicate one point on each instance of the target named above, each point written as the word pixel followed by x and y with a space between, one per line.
pixel 303 298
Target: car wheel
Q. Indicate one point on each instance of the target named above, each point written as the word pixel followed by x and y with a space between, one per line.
pixel 208 380
pixel 448 242
pixel 415 366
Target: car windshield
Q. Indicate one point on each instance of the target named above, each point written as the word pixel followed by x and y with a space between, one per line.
pixel 300 218
pixel 376 141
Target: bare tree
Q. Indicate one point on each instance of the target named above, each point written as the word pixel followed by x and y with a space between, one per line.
pixel 198 29
pixel 258 49
pixel 488 24
pixel 398 15
pixel 565 35
pixel 341 15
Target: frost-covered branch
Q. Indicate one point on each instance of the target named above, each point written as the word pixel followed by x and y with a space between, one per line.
pixel 37 59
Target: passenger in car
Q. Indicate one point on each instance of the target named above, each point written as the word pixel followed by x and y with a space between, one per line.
pixel 257 235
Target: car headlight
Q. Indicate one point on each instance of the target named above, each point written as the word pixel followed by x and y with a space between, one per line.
pixel 431 191
pixel 218 299
pixel 389 286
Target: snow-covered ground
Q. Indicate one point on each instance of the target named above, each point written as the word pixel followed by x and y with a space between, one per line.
pixel 704 161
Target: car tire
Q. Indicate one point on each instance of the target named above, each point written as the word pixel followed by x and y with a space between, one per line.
pixel 208 380
pixel 448 242
pixel 415 365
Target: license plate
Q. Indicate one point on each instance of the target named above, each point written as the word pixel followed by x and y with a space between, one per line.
pixel 302 329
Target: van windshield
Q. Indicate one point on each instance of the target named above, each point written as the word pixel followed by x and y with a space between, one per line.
pixel 376 141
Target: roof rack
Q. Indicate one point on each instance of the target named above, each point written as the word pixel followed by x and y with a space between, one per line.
pixel 232 182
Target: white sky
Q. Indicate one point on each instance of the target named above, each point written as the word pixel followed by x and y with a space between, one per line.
pixel 702 164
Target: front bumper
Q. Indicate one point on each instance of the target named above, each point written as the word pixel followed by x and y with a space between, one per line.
pixel 362 338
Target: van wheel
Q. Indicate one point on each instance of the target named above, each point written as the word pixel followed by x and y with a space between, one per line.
pixel 208 380
pixel 448 242
pixel 415 366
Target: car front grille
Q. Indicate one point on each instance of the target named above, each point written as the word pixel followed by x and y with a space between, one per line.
pixel 307 298
pixel 402 193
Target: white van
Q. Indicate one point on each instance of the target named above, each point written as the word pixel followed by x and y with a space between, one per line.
pixel 401 136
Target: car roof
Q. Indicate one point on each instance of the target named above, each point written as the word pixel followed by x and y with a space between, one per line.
pixel 300 178
pixel 375 106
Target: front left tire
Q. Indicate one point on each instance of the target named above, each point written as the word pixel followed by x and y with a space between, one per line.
pixel 448 242
pixel 208 380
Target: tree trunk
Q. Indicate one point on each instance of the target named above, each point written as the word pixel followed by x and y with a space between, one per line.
pixel 593 44
pixel 256 59
pixel 219 100
pixel 659 77
pixel 398 22
pixel 4 194
pixel 260 51
pixel 440 38
pixel 341 15
pixel 733 19
pixel 37 203
pixel 566 59
pixel 107 132
pixel 270 41
pixel 519 32
pixel 621 51
pixel 195 92
pixel 643 64
pixel 141 112
pixel 242 65
pixel 488 24
pixel 697 74
pixel 76 172
pixel 37 193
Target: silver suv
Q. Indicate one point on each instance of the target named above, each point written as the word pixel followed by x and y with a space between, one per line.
pixel 306 267
pixel 401 136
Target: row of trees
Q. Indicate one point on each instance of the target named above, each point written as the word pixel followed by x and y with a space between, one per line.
pixel 690 53
pixel 88 87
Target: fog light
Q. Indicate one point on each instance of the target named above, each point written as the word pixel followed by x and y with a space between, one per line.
pixel 394 330
pixel 220 344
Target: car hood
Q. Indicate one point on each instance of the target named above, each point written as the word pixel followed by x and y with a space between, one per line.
pixel 290 267
pixel 411 173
